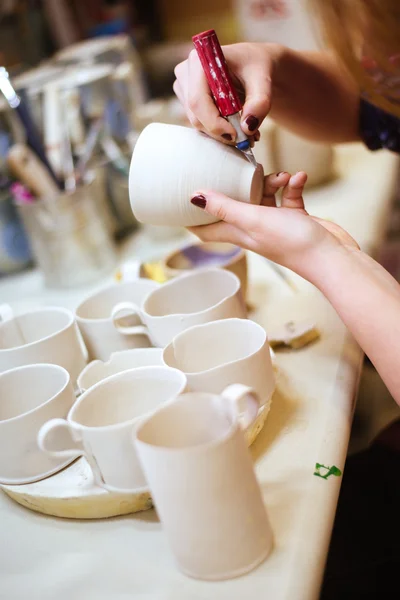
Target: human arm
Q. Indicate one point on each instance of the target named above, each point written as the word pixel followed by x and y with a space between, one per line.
pixel 306 92
pixel 367 299
pixel 364 294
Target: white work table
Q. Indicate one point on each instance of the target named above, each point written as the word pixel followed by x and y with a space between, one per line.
pixel 127 557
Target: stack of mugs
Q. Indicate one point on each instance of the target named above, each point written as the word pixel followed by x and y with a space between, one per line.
pixel 158 387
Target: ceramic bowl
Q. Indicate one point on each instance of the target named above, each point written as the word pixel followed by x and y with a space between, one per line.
pixel 199 255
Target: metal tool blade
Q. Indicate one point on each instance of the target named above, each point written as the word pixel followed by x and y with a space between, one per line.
pixel 250 157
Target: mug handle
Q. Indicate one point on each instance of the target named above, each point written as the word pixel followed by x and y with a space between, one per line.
pixel 244 403
pixel 129 309
pixel 72 453
pixel 6 312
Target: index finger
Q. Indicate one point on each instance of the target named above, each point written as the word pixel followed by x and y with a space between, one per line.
pixel 201 102
pixel 240 214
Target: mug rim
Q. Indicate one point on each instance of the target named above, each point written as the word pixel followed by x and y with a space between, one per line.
pixel 98 361
pixel 233 428
pixel 59 309
pixel 36 366
pixel 106 288
pixel 186 275
pixel 225 364
pixel 115 426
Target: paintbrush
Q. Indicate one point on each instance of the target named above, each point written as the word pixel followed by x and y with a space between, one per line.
pixel 114 154
pixel 21 108
pixel 67 156
pixel 25 166
pixel 91 143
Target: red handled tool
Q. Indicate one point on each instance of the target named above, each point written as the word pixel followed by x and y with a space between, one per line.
pixel 225 96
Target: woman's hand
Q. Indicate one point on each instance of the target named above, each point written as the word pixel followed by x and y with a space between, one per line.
pixel 252 67
pixel 306 92
pixel 288 235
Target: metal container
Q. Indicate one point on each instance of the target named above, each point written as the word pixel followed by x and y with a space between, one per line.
pixel 70 238
pixel 15 251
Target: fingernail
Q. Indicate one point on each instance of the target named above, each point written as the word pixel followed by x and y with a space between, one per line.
pixel 227 137
pixel 294 179
pixel 199 201
pixel 252 123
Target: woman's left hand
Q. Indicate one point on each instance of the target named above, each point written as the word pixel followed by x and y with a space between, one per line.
pixel 287 235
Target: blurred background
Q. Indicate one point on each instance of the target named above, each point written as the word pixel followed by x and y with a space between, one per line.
pixel 80 80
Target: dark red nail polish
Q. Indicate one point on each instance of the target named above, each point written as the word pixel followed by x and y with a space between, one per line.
pixel 199 201
pixel 227 137
pixel 252 123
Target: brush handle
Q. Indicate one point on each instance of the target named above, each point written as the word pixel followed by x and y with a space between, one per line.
pixel 26 166
pixel 33 138
pixel 53 128
pixel 91 142
pixel 217 72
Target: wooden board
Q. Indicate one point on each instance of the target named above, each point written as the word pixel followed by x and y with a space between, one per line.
pixel 72 493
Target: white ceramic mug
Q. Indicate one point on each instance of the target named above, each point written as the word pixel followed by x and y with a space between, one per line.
pixel 218 354
pixel 103 334
pixel 29 397
pixel 125 360
pixel 203 485
pixel 101 422
pixel 170 163
pixel 192 298
pixel 42 335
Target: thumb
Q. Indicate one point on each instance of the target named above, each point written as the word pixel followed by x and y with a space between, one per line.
pixel 242 215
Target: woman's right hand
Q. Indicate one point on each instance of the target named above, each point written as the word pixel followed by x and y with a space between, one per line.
pixel 252 67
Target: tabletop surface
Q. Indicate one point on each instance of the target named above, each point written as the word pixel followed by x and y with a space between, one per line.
pixel 299 455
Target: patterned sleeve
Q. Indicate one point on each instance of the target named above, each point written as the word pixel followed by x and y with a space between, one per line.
pixel 378 129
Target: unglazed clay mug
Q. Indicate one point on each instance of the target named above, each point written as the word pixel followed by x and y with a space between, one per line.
pixel 43 335
pixel 101 422
pixel 29 397
pixel 103 334
pixel 218 354
pixel 201 255
pixel 202 481
pixel 97 370
pixel 170 163
pixel 187 300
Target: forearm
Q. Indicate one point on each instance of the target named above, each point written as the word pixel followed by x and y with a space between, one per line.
pixel 367 298
pixel 313 97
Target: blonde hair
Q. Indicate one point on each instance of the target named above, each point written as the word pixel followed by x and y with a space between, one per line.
pixel 351 27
